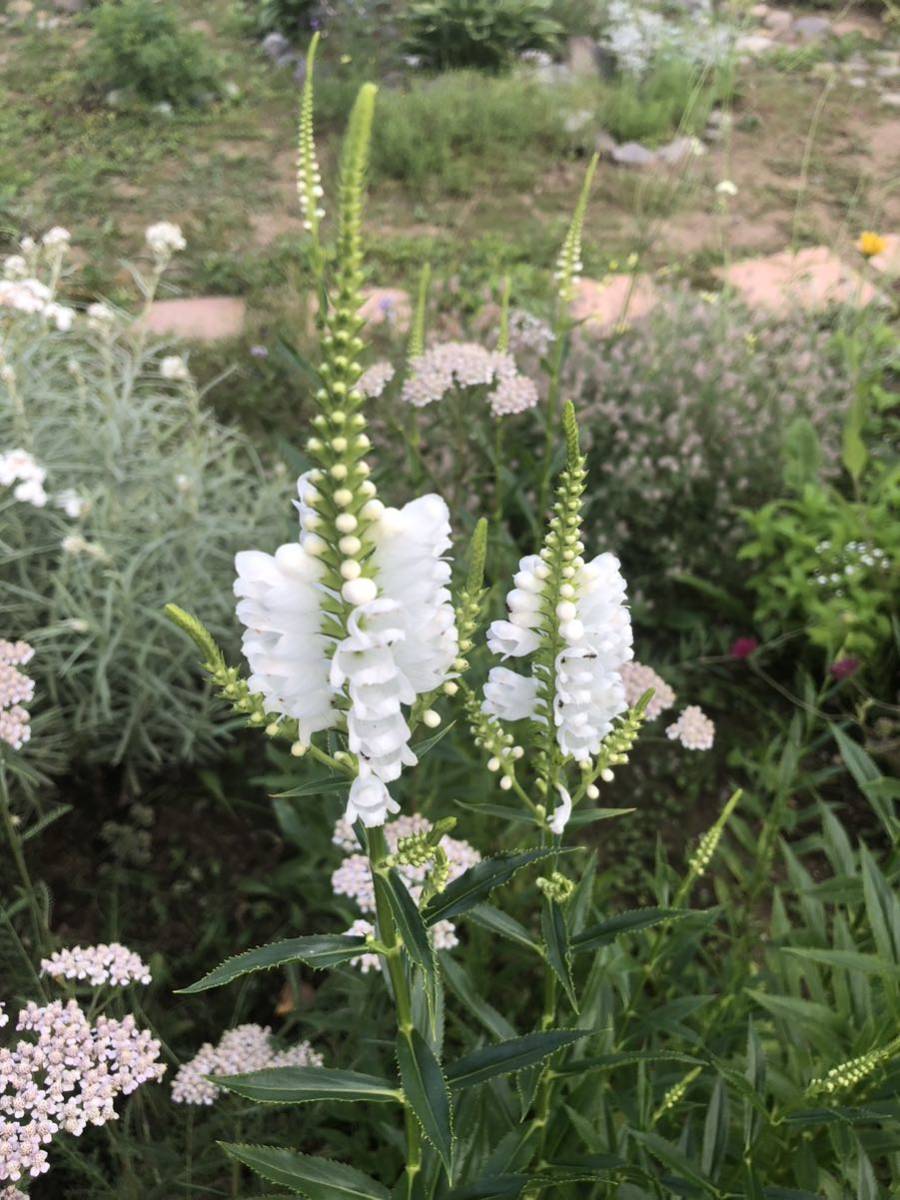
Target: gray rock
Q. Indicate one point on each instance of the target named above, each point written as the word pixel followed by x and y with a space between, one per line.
pixel 277 47
pixel 891 99
pixel 858 81
pixel 70 6
pixel 887 72
pixel 810 29
pixel 582 57
pixel 633 154
pixel 605 144
pixel 754 44
pixel 680 150
pixel 779 20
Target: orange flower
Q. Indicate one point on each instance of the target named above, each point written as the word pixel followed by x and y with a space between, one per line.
pixel 870 244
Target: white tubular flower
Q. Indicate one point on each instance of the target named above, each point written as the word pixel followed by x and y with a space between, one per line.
pixel 377 731
pixel 519 635
pixel 280 607
pixel 57 236
pixel 400 637
pixel 571 616
pixel 409 547
pixel 510 696
pixel 562 812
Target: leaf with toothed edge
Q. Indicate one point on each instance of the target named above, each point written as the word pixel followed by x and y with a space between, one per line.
pixel 505 1058
pixel 427 1093
pixel 479 881
pixel 317 950
pixel 632 921
pixel 556 940
pixel 300 1085
pixel 306 1175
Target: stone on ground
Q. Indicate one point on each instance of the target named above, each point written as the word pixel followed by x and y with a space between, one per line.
pixel 605 304
pixel 199 319
pixel 812 279
pixel 632 154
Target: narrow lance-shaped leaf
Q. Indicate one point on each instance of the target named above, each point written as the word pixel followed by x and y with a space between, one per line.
pixel 427 1093
pixel 556 939
pixel 301 1085
pixel 317 950
pixel 504 1058
pixel 637 919
pixel 411 926
pixel 305 1175
pixel 478 882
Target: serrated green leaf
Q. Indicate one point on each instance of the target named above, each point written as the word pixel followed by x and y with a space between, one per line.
pixel 505 1058
pixel 556 941
pixel 427 1093
pixel 478 882
pixel 632 921
pixel 411 926
pixel 317 950
pixel 300 1085
pixel 305 1175
pixel 610 1062
pixel 670 1156
pixel 847 960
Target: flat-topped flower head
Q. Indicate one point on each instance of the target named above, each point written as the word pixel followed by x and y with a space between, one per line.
pixel 16 690
pixel 693 729
pixel 112 964
pixel 240 1050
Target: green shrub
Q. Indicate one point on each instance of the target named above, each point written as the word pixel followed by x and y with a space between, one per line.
pixel 486 34
pixel 674 95
pixel 457 130
pixel 290 17
pixel 144 47
pixel 156 489
pixel 688 410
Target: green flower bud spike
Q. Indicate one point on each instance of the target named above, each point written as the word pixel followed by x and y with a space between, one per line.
pixel 848 1075
pixel 309 177
pixel 569 265
pixel 706 849
pixel 416 344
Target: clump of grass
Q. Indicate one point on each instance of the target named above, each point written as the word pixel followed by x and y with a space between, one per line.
pixel 674 96
pixel 455 130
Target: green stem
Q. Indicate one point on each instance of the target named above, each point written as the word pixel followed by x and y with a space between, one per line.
pixel 552 416
pixel 41 934
pixel 387 933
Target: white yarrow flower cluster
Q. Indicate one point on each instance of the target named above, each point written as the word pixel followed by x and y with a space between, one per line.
pixel 20 470
pixel 449 366
pixel 693 729
pixel 113 964
pixel 353 878
pixel 16 689
pixel 240 1050
pixel 164 239
pixel 64 1075
pixel 174 368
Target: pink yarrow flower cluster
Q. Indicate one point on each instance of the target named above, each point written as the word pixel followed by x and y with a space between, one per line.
pixel 638 679
pixel 693 729
pixel 112 964
pixel 66 1073
pixel 449 366
pixel 353 877
pixel 239 1050
pixel 16 689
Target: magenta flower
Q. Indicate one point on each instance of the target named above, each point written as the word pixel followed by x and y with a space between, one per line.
pixel 844 668
pixel 743 647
